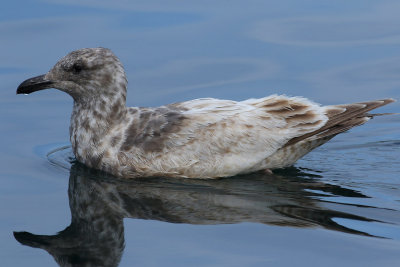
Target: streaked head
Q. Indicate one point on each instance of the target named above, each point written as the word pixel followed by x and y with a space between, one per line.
pixel 84 73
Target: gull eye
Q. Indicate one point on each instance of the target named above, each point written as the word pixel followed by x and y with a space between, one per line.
pixel 77 67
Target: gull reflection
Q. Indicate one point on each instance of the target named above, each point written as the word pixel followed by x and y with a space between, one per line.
pixel 99 204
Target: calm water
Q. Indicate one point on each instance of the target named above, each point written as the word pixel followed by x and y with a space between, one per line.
pixel 339 205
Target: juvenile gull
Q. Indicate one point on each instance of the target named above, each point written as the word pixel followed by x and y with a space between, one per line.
pixel 201 138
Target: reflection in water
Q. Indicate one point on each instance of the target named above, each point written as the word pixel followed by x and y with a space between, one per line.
pixel 99 203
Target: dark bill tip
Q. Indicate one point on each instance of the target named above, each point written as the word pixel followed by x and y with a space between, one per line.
pixel 34 84
pixel 29 239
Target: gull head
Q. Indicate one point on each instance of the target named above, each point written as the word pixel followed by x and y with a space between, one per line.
pixel 85 74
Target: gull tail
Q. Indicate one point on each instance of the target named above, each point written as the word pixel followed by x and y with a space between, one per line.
pixel 340 119
pixel 343 117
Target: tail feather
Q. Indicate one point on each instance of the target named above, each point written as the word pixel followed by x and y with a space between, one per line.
pixel 343 117
pixel 342 127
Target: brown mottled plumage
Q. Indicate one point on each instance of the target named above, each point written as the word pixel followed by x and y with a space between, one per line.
pixel 201 138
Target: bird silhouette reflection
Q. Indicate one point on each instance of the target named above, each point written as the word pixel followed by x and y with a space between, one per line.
pixel 99 203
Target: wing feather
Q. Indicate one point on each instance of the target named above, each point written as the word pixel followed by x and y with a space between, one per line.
pixel 343 117
pixel 247 131
pixel 210 137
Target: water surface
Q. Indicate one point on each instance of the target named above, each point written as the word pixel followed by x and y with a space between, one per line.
pixel 339 205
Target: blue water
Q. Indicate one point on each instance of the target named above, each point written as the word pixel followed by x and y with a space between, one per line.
pixel 339 205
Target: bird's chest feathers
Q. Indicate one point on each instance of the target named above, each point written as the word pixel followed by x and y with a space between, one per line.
pixel 87 132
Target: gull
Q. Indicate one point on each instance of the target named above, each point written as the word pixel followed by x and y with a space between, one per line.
pixel 201 138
